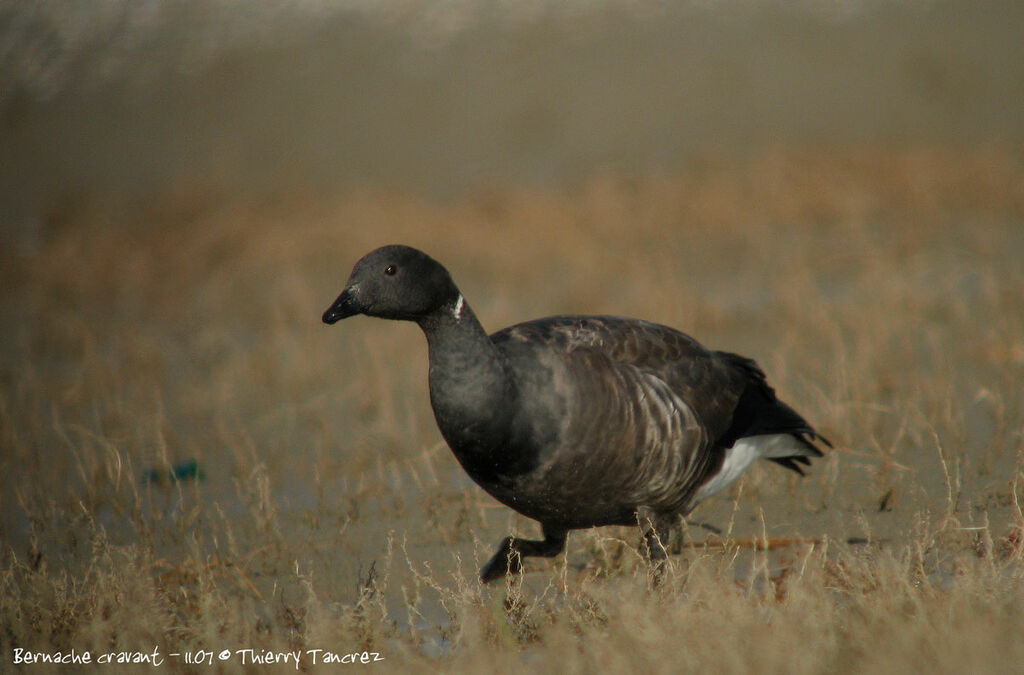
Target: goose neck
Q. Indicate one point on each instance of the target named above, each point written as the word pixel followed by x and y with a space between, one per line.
pixel 456 340
pixel 468 379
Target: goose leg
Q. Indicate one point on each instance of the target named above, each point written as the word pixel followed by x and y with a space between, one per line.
pixel 656 530
pixel 508 559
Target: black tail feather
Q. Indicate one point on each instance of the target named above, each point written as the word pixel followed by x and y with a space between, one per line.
pixel 759 412
pixel 791 463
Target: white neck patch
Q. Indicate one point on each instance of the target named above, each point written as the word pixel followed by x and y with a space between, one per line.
pixel 457 309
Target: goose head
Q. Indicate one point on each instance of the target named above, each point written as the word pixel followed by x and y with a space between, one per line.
pixel 395 282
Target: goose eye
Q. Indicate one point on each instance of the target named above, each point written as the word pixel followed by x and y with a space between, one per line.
pixel 390 270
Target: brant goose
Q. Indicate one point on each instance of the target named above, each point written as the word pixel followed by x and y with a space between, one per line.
pixel 580 421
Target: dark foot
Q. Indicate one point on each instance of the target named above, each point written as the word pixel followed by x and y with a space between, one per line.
pixel 509 558
pixel 506 561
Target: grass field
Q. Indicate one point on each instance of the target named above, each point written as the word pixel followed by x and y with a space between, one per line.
pixel 190 460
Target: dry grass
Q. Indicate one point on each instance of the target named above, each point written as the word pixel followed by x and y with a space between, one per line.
pixel 881 289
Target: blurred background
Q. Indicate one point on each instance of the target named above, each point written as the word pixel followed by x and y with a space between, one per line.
pixel 119 99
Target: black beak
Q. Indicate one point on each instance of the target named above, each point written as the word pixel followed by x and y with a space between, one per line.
pixel 345 306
